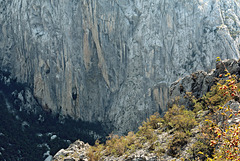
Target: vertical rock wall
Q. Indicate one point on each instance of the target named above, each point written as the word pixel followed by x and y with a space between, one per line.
pixel 113 60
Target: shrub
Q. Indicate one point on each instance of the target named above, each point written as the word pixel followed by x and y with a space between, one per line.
pixel 95 152
pixel 222 137
pixel 125 145
pixel 146 132
pixel 155 121
pixel 179 118
pixel 178 141
pixel 181 121
pixel 201 146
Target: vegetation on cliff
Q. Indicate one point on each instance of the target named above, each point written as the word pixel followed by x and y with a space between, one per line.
pixel 214 117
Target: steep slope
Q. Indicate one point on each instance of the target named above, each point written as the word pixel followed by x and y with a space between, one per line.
pixel 112 60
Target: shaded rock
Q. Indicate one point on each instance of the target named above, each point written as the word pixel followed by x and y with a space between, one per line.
pixel 53 137
pixel 49 158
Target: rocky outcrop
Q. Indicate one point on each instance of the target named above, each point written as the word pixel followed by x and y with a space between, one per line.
pixel 112 61
pixel 76 151
pixel 200 82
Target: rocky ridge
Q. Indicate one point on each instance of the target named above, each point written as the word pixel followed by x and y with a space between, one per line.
pixel 200 82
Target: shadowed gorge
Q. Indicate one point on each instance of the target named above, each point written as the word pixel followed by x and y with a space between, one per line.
pixel 27 131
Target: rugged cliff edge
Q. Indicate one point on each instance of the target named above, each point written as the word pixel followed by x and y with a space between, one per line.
pixel 112 61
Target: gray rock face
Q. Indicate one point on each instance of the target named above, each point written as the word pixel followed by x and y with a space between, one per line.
pixel 112 60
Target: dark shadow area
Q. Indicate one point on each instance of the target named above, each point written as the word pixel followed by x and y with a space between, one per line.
pixel 27 136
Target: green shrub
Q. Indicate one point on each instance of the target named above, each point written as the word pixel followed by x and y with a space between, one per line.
pixel 201 147
pixel 178 141
pixel 155 121
pixel 180 119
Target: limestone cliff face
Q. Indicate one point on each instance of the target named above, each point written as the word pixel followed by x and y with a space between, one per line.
pixel 113 60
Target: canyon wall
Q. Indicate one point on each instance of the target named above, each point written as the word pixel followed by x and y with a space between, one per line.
pixel 113 61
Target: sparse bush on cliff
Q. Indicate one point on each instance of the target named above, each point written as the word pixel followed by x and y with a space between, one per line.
pixel 226 134
pixel 219 140
pixel 180 118
pixel 181 121
pixel 178 141
pixel 202 145
pixel 118 146
pixel 177 118
pixel 216 139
